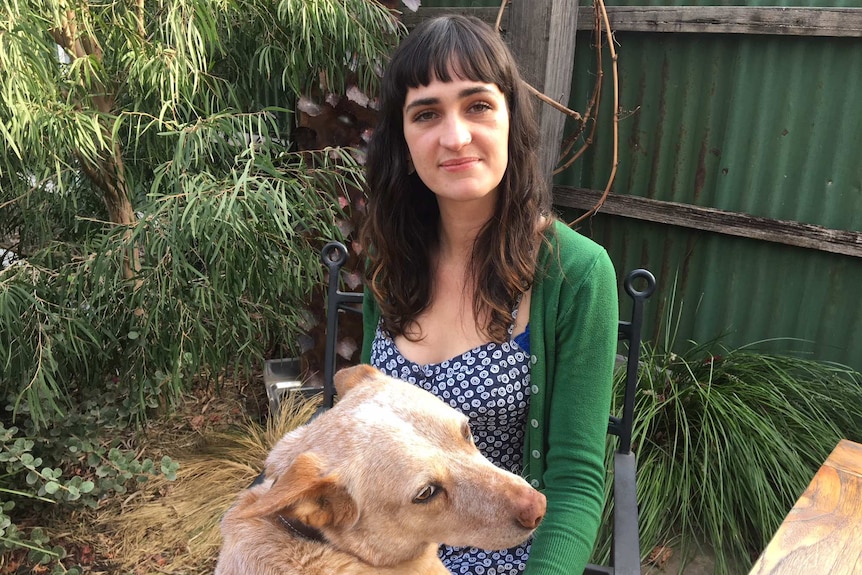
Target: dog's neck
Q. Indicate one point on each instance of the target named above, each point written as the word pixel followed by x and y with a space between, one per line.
pixel 300 529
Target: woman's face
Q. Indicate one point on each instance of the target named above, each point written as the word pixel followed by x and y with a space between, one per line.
pixel 458 133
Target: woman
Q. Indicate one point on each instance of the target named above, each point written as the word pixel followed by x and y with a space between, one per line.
pixel 476 293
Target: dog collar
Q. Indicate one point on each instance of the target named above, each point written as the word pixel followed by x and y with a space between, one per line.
pixel 301 529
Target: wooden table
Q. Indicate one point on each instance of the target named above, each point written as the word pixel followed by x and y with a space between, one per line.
pixel 822 534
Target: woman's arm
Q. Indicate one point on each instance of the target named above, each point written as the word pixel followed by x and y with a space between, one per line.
pixel 580 364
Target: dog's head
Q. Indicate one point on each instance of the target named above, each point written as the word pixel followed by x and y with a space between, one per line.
pixel 392 470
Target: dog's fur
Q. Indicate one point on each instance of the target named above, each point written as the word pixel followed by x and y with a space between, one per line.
pixel 360 474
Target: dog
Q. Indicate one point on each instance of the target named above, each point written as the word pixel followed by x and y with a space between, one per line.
pixel 374 486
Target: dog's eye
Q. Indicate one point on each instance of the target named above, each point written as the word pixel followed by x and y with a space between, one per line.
pixel 427 494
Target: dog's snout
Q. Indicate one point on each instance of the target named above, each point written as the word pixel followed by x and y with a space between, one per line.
pixel 532 510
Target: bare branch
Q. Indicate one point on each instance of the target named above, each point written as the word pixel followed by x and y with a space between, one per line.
pixel 600 5
pixel 553 103
pixel 498 24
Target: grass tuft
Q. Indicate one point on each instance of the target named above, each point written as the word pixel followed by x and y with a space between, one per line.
pixel 173 526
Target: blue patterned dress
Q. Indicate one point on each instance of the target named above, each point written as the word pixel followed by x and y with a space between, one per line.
pixel 490 384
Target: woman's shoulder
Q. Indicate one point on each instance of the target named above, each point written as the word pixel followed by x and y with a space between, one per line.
pixel 570 250
pixel 572 264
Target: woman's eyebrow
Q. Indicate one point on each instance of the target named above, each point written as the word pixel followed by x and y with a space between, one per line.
pixel 421 102
pixel 465 93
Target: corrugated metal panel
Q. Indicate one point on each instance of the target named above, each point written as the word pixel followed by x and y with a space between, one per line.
pixel 765 125
pixel 747 289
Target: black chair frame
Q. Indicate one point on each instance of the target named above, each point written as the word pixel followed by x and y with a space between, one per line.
pixel 625 553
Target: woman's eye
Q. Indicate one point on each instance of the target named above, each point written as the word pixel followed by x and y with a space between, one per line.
pixel 480 107
pixel 423 116
pixel 427 493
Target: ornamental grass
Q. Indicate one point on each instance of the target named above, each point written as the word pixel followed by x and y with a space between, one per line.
pixel 727 440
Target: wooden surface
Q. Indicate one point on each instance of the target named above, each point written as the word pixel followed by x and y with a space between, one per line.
pixel 779 20
pixel 823 531
pixel 540 35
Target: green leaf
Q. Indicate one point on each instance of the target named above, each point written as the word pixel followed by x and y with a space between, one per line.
pixel 169 468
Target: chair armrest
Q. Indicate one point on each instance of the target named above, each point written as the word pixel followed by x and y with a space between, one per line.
pixel 626 549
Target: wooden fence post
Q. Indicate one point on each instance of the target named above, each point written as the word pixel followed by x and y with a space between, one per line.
pixel 541 33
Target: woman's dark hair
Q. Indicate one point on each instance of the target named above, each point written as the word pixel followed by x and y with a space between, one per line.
pixel 400 231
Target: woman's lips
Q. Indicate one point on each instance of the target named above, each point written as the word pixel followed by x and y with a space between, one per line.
pixel 457 164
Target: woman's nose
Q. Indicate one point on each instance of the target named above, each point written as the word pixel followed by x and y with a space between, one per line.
pixel 456 134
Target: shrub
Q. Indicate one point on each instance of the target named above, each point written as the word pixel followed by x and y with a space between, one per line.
pixel 77 461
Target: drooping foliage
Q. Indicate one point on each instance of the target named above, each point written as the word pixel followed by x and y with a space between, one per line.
pixel 161 220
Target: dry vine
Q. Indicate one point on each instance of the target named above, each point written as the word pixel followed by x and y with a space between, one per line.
pixel 590 116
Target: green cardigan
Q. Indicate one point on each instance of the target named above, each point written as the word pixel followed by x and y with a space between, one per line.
pixel 573 342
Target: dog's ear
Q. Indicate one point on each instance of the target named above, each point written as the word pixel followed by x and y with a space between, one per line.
pixel 303 493
pixel 349 377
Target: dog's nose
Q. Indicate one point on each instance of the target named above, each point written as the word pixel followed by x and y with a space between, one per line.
pixel 530 515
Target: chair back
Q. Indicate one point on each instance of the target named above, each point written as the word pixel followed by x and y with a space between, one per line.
pixel 334 255
pixel 630 332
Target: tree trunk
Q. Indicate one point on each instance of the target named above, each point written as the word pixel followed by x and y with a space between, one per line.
pixel 108 174
pixel 107 171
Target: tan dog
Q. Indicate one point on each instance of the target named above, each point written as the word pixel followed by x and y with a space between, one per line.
pixel 373 486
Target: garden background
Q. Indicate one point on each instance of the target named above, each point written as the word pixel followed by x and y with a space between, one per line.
pixel 172 168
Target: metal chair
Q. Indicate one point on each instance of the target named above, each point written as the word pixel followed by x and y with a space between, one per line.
pixel 625 549
pixel 625 553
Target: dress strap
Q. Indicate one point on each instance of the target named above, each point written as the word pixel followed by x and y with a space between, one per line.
pixel 511 329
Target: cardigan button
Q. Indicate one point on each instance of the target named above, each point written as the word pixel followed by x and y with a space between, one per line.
pixel 534 423
pixel 534 389
pixel 534 360
pixel 536 454
pixel 535 483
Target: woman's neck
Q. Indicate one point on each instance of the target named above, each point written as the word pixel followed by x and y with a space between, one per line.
pixel 459 227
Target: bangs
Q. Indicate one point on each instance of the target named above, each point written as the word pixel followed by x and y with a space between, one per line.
pixel 447 50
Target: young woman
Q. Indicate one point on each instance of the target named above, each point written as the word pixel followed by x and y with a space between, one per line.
pixel 475 292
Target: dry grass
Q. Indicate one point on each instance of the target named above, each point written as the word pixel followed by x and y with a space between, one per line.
pixel 172 527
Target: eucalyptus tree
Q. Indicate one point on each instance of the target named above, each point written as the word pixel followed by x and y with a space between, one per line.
pixel 162 221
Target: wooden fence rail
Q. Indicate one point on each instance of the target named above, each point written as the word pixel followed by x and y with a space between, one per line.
pixel 713 220
pixel 832 22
